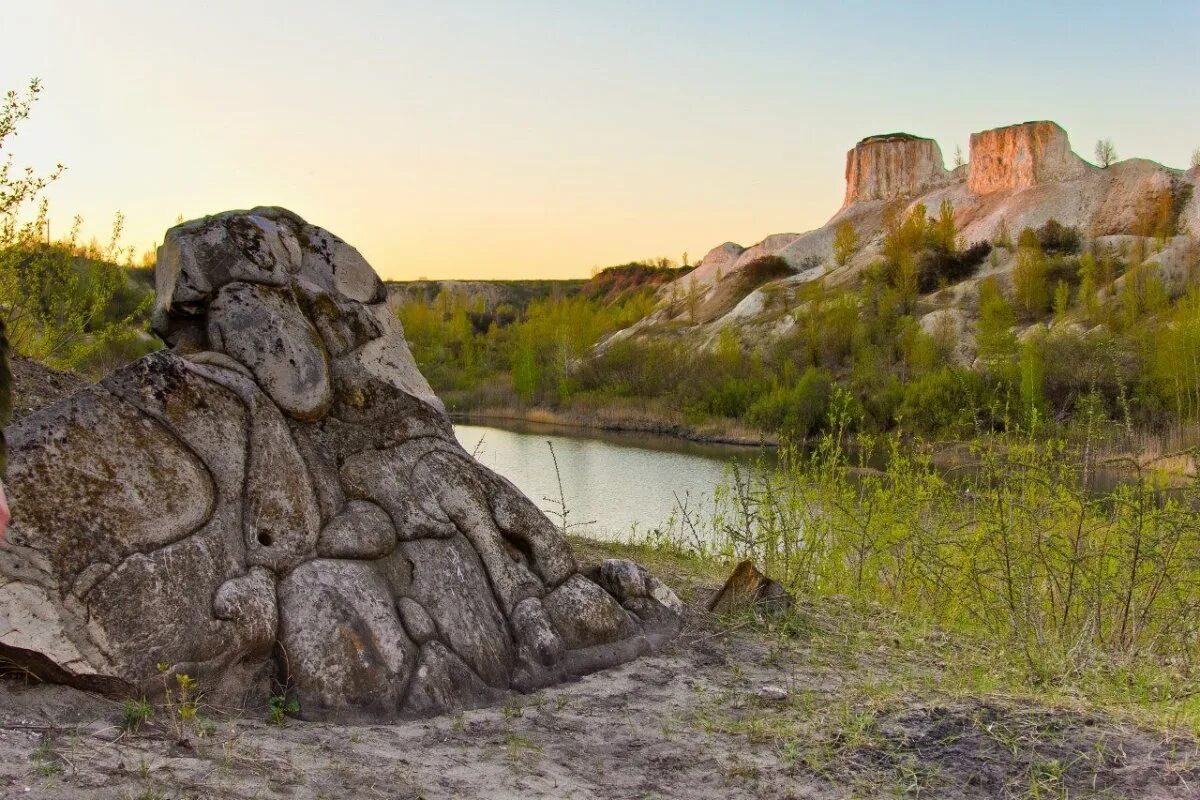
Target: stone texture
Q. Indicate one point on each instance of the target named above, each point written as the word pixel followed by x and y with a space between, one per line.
pixel 114 481
pixel 443 682
pixel 893 166
pixel 534 536
pixel 1022 156
pixel 361 530
pixel 345 649
pixel 622 578
pixel 585 615
pixel 416 620
pixel 280 496
pixel 649 612
pixel 448 579
pixel 664 595
pixel 263 328
pixel 1132 190
pixel 716 264
pixel 338 268
pixel 536 637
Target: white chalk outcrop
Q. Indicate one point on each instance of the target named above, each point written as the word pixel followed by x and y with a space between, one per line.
pixel 1022 156
pixel 1018 176
pixel 893 165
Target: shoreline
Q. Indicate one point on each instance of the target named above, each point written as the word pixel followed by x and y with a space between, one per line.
pixel 1177 469
pixel 619 424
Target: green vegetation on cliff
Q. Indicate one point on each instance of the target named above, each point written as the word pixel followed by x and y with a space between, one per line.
pixel 1080 336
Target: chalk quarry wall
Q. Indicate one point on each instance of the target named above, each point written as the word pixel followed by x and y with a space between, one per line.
pixel 893 166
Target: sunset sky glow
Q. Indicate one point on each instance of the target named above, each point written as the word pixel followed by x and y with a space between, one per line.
pixel 527 139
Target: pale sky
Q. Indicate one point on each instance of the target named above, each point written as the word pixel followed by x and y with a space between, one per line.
pixel 544 139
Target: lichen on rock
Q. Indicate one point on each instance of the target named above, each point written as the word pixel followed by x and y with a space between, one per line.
pixel 279 500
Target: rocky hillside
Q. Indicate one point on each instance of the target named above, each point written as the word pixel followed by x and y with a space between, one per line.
pixel 1019 176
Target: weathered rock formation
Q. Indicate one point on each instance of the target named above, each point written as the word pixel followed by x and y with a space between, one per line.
pixel 279 498
pixel 1022 156
pixel 716 264
pixel 1018 176
pixel 892 166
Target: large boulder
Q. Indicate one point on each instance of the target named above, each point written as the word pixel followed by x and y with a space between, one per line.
pixel 278 500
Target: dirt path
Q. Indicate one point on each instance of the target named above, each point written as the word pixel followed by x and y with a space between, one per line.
pixel 789 713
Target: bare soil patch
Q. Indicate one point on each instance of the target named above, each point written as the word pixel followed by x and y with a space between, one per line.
pixel 796 708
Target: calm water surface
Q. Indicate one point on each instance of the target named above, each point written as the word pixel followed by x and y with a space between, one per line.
pixel 614 481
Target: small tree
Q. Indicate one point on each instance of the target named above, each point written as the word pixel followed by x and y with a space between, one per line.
pixel 958 157
pixel 1106 153
pixel 1062 300
pixel 694 296
pixel 525 373
pixel 18 188
pixel 1032 367
pixel 845 242
pixel 1196 158
pixel 1003 236
pixel 943 231
pixel 1029 281
pixel 674 299
pixel 1089 275
pixel 908 281
pixel 994 337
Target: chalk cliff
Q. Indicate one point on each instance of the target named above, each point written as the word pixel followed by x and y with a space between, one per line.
pixel 892 166
pixel 1022 156
pixel 1018 176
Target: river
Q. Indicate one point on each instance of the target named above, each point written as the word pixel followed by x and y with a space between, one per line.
pixel 612 483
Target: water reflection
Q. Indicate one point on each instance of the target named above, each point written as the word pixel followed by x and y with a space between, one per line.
pixel 612 481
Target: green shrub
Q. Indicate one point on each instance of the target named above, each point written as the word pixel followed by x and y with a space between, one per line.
pixel 845 242
pixel 763 269
pixel 941 402
pixel 61 304
pixel 1054 237
pixel 279 707
pixel 135 713
pixel 732 397
pixel 797 410
pixel 941 267
pixel 1016 549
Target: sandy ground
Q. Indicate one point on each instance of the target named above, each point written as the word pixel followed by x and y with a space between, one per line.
pixel 722 713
